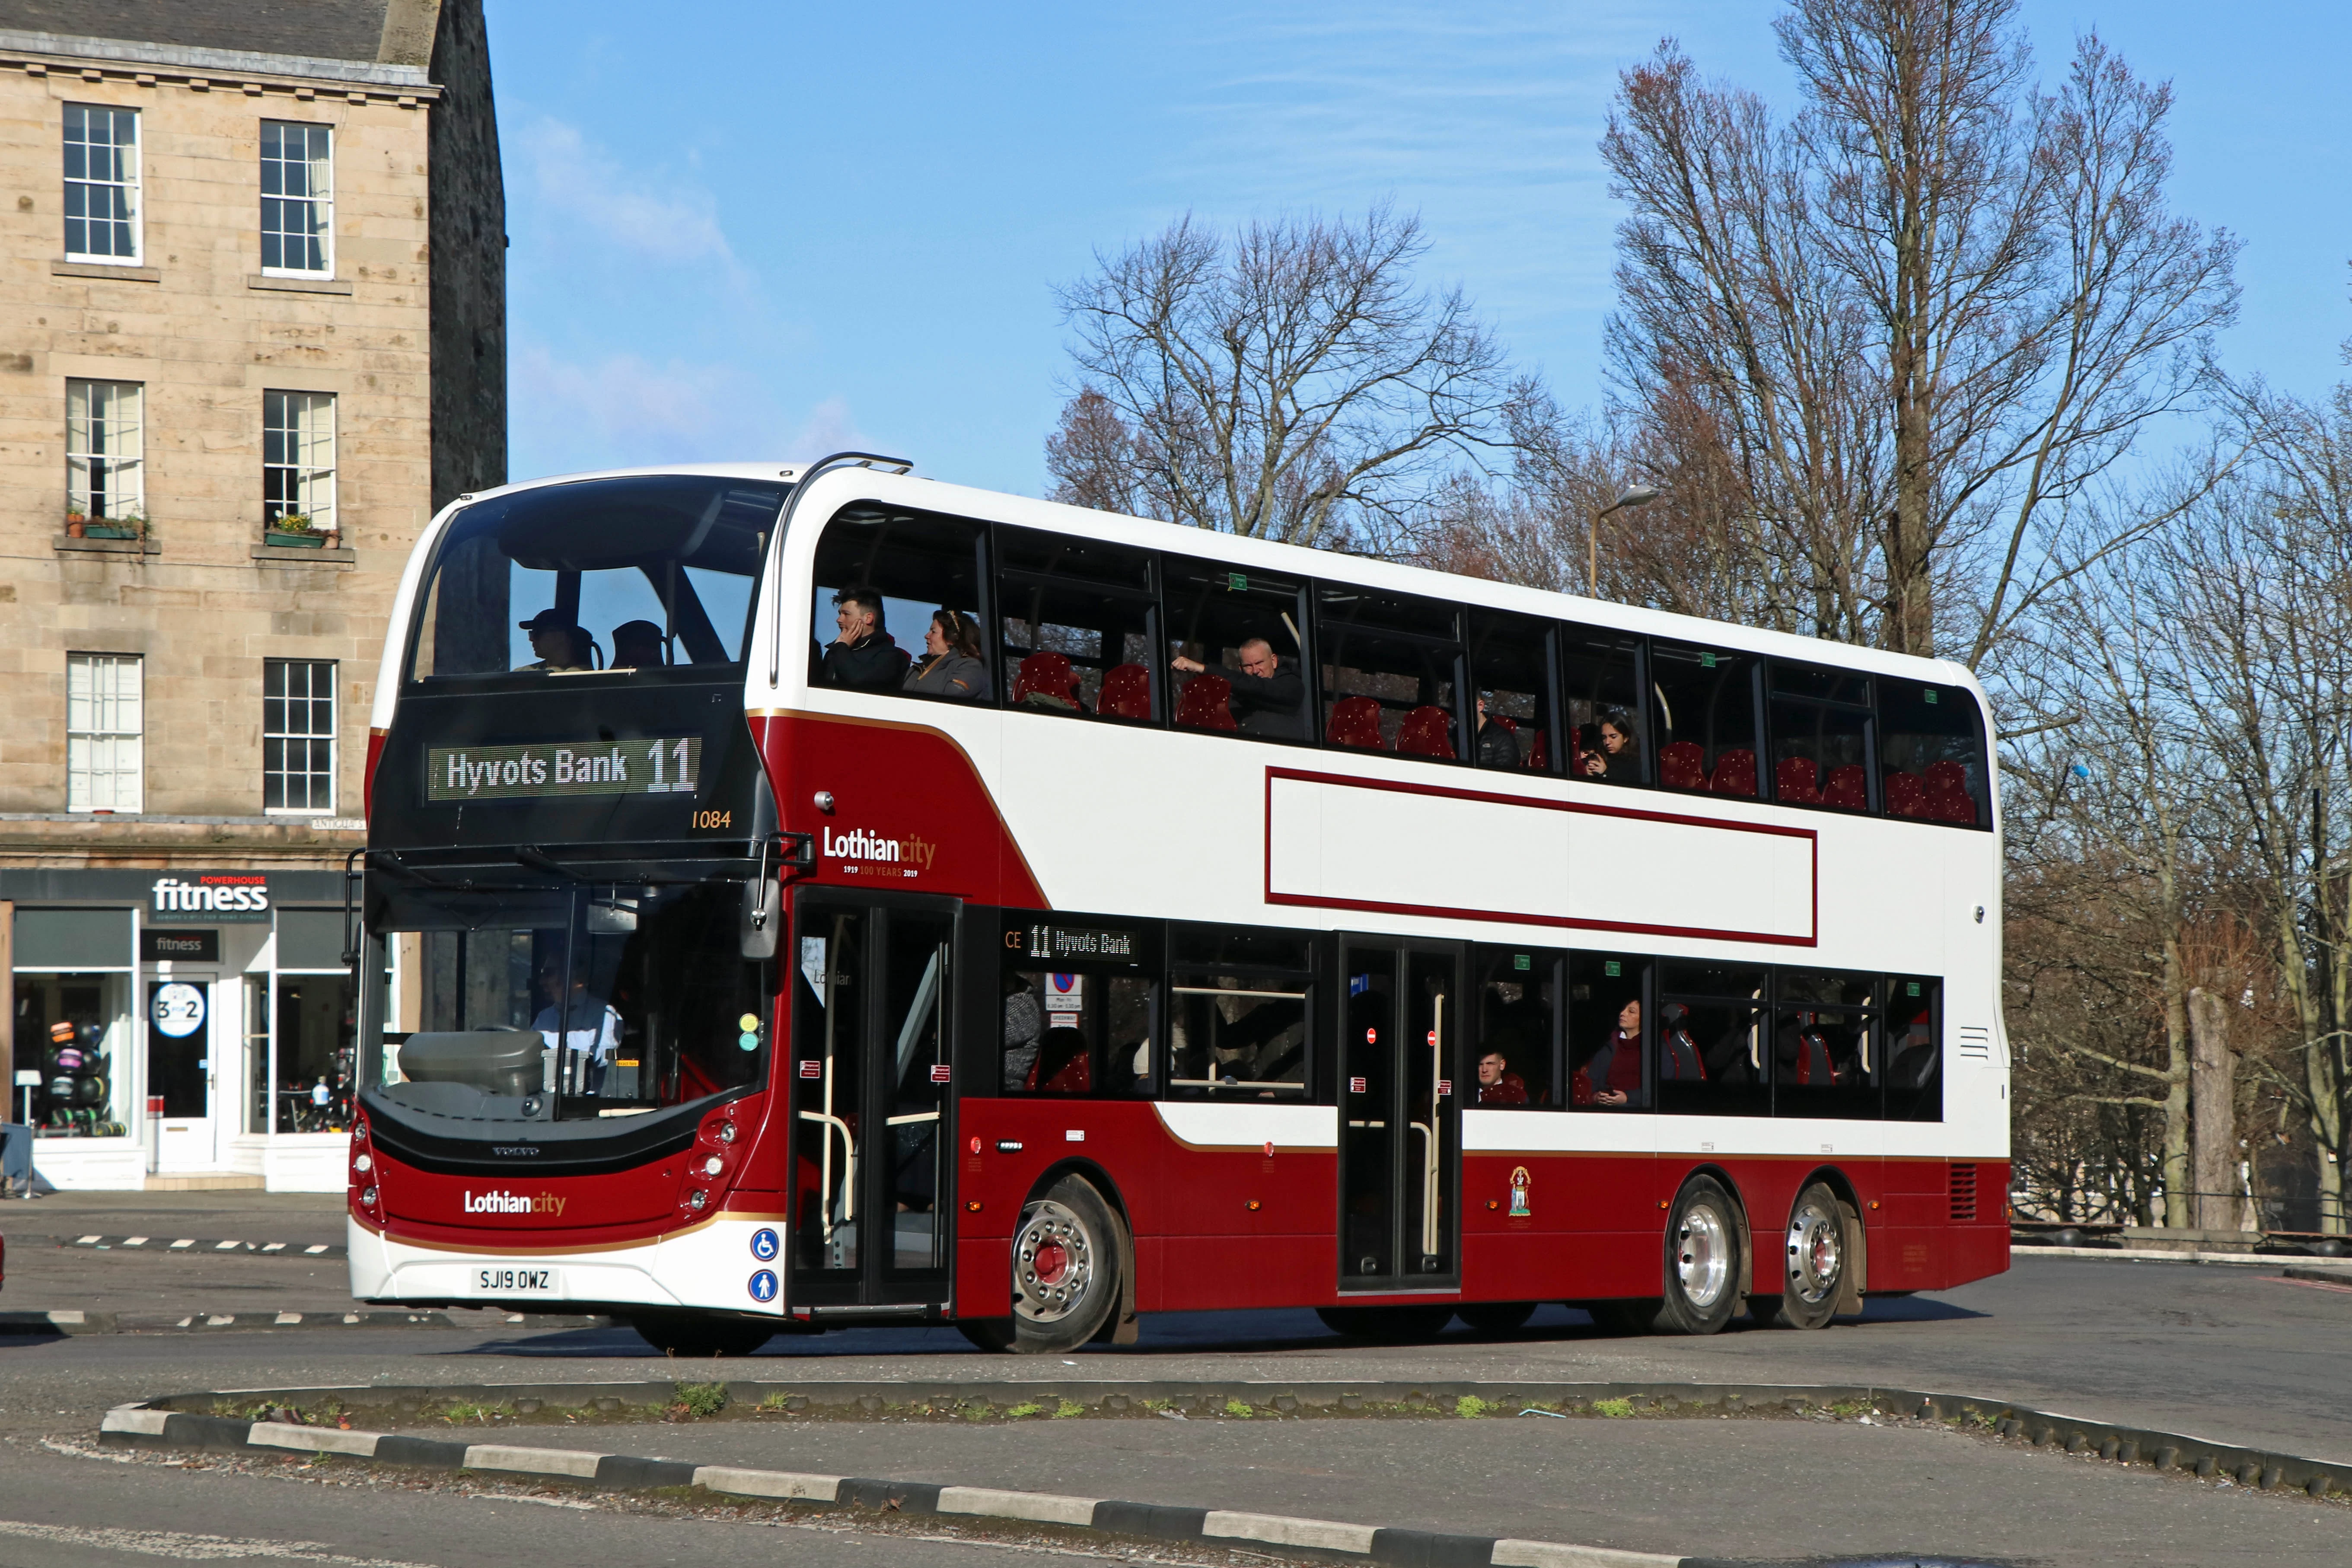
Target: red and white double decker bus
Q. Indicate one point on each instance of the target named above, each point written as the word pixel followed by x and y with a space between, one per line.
pixel 808 896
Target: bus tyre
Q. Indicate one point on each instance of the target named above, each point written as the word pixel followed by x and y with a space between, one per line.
pixel 1702 1263
pixel 699 1338
pixel 1813 1264
pixel 1495 1317
pixel 1392 1324
pixel 1065 1274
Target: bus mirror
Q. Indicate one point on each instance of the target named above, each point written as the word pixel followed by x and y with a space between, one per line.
pixel 763 916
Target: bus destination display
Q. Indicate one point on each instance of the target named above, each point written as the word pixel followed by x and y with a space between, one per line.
pixel 647 765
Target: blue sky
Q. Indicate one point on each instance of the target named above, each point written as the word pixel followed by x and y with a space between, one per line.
pixel 790 227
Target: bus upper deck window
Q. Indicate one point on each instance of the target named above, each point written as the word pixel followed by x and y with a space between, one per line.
pixel 1235 650
pixel 1391 672
pixel 1511 678
pixel 1821 737
pixel 633 576
pixel 1705 717
pixel 897 605
pixel 1931 750
pixel 1601 683
pixel 1078 621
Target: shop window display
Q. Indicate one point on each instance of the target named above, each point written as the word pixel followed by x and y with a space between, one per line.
pixel 76 1031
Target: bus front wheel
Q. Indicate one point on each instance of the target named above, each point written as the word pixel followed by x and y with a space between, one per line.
pixel 699 1338
pixel 1066 1282
pixel 1813 1259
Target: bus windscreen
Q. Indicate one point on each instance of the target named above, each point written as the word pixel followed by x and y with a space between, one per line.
pixel 636 574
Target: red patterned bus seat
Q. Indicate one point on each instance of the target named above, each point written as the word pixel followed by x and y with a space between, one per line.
pixel 1356 721
pixel 1063 1066
pixel 1683 766
pixel 1126 692
pixel 1426 732
pixel 1046 680
pixel 1735 773
pixel 1848 789
pixel 1907 795
pixel 1796 781
pixel 1947 793
pixel 1205 703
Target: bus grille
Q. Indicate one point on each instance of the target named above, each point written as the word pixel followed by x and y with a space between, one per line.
pixel 1964 1195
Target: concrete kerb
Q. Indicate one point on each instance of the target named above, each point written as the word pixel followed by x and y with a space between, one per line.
pixel 165 1423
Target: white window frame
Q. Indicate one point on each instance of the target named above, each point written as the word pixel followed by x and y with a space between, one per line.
pixel 320 203
pixel 106 424
pixel 297 442
pixel 105 732
pixel 287 732
pixel 127 184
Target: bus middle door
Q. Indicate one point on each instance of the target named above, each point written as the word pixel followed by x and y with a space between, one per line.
pixel 871 1180
pixel 1401 1117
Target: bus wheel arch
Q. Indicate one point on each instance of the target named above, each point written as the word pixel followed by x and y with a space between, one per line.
pixel 1821 1256
pixel 1071 1258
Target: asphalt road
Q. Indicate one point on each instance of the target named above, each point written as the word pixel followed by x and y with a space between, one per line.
pixel 2237 1354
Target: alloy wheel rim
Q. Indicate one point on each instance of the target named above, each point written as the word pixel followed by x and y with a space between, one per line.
pixel 1816 1253
pixel 1053 1263
pixel 1702 1257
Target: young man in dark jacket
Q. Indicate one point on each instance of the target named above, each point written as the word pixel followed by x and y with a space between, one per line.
pixel 863 656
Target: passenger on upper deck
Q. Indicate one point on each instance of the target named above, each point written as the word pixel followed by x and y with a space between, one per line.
pixel 863 656
pixel 1498 746
pixel 951 665
pixel 1609 746
pixel 1269 693
pixel 559 644
pixel 638 644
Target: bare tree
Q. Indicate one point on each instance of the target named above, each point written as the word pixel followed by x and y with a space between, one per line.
pixel 1927 314
pixel 1288 381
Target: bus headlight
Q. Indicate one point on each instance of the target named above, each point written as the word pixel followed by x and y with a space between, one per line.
pixel 696 1200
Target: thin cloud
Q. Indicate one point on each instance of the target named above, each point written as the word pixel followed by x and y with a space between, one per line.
pixel 623 410
pixel 653 215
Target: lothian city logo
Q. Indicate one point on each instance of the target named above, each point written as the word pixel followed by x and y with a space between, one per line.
pixel 857 843
pixel 503 1202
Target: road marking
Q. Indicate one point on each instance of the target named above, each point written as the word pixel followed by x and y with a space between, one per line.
pixel 193 1548
pixel 2309 1284
pixel 542 1501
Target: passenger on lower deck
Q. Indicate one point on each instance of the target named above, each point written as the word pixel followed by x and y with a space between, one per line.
pixel 1613 1075
pixel 1497 1084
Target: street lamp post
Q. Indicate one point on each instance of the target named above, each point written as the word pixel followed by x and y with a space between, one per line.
pixel 1640 495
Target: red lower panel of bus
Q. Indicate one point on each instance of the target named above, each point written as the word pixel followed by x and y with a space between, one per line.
pixel 1228 1228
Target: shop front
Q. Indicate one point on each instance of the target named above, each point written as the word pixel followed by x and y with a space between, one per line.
pixel 181 1028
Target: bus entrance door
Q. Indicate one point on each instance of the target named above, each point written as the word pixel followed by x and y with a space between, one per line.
pixel 1401 1117
pixel 871 1198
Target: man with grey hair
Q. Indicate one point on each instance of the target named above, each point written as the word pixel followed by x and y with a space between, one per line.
pixel 1268 695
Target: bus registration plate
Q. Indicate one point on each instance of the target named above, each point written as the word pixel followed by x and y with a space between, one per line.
pixel 520 1281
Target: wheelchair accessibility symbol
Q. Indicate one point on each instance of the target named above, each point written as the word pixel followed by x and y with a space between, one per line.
pixel 764 1245
pixel 763 1286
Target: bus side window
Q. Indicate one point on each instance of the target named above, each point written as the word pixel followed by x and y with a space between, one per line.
pixel 1077 1024
pixel 1600 675
pixel 925 571
pixel 1077 623
pixel 1821 737
pixel 1714 1047
pixel 1608 1026
pixel 1705 719
pixel 1931 751
pixel 1241 629
pixel 1915 1049
pixel 1829 1046
pixel 1391 672
pixel 1510 678
pixel 1512 1063
pixel 1239 1014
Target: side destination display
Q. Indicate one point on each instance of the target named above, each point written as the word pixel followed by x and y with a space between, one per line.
pixel 647 765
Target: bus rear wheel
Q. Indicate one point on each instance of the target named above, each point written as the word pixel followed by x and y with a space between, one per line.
pixel 1702 1262
pixel 1813 1259
pixel 1065 1282
pixel 699 1338
pixel 1395 1324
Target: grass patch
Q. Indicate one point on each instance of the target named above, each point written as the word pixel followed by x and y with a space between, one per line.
pixel 1470 1407
pixel 1239 1409
pixel 702 1398
pixel 1067 1408
pixel 1020 1410
pixel 1613 1408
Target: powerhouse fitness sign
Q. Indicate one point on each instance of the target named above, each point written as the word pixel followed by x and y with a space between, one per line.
pixel 210 898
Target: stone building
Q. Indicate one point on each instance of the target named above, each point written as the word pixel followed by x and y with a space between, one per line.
pixel 252 335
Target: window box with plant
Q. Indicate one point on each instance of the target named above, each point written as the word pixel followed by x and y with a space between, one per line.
pixel 299 531
pixel 81 524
